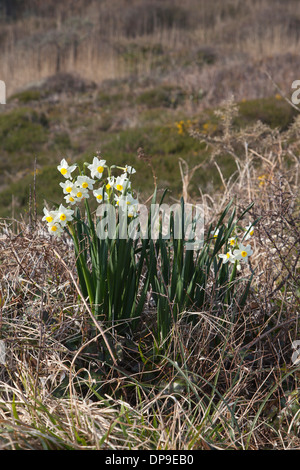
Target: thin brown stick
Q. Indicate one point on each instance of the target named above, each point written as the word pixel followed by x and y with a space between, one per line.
pixel 266 333
pixel 281 92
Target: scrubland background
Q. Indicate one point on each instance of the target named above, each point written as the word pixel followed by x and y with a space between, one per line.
pixel 116 75
pixel 145 77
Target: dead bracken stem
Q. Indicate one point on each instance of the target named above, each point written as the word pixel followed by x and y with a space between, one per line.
pixel 186 176
pixel 147 159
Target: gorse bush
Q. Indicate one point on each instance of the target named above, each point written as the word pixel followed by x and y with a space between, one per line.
pixel 126 252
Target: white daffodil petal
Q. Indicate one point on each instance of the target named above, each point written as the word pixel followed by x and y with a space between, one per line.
pixel 85 182
pixel 249 232
pixel 65 169
pixel 67 186
pixel 243 252
pixel 97 168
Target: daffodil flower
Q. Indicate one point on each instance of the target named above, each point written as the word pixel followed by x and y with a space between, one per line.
pixel 97 168
pixel 84 182
pixel 227 257
pixel 110 182
pixel 55 229
pixel 125 200
pixel 243 252
pixel 232 241
pixel 49 215
pixel 132 210
pixel 78 188
pixel 65 169
pixel 249 232
pixel 129 169
pixel 63 215
pixel 100 194
pixel 130 200
pixel 80 193
pixel 70 198
pixel 67 186
pixel 215 233
pixel 129 203
pixel 122 183
pixel 117 199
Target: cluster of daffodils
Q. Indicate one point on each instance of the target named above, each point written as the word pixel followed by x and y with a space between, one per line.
pixel 57 219
pixel 237 251
pixel 115 190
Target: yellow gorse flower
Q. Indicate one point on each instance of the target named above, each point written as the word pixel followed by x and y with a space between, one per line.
pixel 183 126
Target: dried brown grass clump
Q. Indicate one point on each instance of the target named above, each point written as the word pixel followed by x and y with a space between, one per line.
pixel 267 175
pixel 259 344
pixel 39 308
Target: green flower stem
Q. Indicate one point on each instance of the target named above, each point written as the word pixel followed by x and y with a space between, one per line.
pixel 82 268
pixel 231 283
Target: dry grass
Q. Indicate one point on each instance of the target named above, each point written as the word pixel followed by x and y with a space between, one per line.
pixel 212 49
pixel 228 382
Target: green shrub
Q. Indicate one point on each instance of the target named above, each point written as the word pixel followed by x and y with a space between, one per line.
pixel 165 96
pixel 27 96
pixel 272 111
pixel 22 130
pixel 62 141
pixel 109 99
